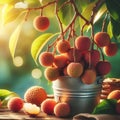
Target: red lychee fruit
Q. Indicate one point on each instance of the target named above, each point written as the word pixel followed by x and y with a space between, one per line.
pixel 103 67
pixel 51 73
pixel 62 109
pixel 111 49
pixel 48 105
pixel 41 23
pixel 102 39
pixel 74 69
pixel 60 61
pixel 15 104
pixel 35 95
pixel 46 59
pixel 92 57
pixel 82 43
pixel 89 76
pixel 73 55
pixel 63 46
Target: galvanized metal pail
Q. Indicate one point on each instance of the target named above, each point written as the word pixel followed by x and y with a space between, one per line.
pixel 81 97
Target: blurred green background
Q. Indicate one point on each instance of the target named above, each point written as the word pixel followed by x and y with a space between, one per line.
pixel 20 74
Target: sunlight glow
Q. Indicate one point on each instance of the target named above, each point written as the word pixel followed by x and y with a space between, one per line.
pixel 18 61
pixel 36 73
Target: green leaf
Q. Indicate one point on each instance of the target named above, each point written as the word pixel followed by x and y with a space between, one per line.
pixel 107 106
pixel 109 29
pixel 115 28
pixel 9 13
pixel 14 39
pixel 87 13
pixel 101 11
pixel 66 14
pixel 114 8
pixel 38 44
pixel 4 93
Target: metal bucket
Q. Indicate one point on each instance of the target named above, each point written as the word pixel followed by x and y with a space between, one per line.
pixel 81 97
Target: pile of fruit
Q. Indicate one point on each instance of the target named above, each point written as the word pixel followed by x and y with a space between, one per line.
pixel 82 58
pixel 78 60
pixel 36 101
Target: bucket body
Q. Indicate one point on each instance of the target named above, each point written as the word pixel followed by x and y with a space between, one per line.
pixel 81 97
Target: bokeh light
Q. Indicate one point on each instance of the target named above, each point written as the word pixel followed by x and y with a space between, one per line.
pixel 18 61
pixel 36 73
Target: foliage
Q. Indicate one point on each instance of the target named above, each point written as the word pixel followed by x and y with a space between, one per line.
pixel 5 95
pixel 107 106
pixel 88 11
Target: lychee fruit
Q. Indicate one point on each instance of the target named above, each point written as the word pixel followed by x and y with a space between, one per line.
pixel 15 104
pixel 103 67
pixel 31 109
pixel 82 43
pixel 89 76
pixel 73 55
pixel 111 49
pixel 41 23
pixel 102 39
pixel 74 69
pixel 35 95
pixel 46 59
pixel 63 46
pixel 48 105
pixel 62 109
pixel 51 73
pixel 60 61
pixel 92 57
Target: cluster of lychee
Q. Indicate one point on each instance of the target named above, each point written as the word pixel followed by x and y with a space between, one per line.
pixel 36 101
pixel 81 60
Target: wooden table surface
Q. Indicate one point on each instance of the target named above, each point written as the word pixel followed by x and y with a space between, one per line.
pixel 7 114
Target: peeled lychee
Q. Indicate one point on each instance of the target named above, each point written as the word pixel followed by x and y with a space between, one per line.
pixel 15 104
pixel 62 109
pixel 35 95
pixel 48 105
pixel 31 109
